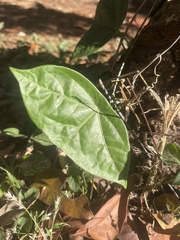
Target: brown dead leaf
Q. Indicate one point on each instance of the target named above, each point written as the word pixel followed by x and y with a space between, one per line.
pixel 127 233
pixel 105 224
pixel 167 205
pixel 34 49
pixel 138 226
pixel 174 224
pixel 78 208
pixel 9 212
pixel 50 186
pixel 146 231
pixel 166 202
pixel 77 238
pixel 157 233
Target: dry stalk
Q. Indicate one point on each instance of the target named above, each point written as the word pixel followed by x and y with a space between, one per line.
pixel 170 110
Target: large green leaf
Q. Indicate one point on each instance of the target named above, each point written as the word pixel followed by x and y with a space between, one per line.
pixel 108 18
pixel 76 117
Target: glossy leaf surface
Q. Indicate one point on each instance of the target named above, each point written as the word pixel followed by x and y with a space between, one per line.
pixel 76 117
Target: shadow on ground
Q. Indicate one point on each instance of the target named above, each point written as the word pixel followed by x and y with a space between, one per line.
pixel 42 20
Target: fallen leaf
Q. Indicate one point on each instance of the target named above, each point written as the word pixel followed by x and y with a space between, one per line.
pixel 167 202
pixel 167 207
pixel 174 224
pixel 50 186
pixel 146 231
pixel 127 233
pixel 9 212
pixel 157 233
pixel 77 238
pixel 137 226
pixel 77 208
pixel 105 224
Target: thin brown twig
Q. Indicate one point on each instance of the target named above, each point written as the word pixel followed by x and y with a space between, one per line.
pixel 142 111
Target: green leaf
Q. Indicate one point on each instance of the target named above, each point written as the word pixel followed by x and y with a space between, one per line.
pixel 171 154
pixel 60 225
pixel 13 132
pixel 42 139
pixel 33 164
pixel 3 233
pixel 13 181
pixel 76 117
pixel 24 223
pixel 74 178
pixel 29 195
pixel 177 180
pixel 109 17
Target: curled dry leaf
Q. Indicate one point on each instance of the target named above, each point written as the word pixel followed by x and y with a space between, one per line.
pixel 158 233
pixel 174 224
pixel 108 222
pixel 167 206
pixel 146 231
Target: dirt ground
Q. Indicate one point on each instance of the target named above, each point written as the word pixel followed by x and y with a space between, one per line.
pixel 52 19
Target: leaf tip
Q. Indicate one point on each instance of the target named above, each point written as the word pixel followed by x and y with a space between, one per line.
pixel 12 70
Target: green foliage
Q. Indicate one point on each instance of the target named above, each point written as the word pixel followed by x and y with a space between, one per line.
pixel 109 17
pixel 23 224
pixel 176 181
pixel 2 233
pixel 171 154
pixel 42 139
pixel 74 180
pixel 28 195
pixel 77 180
pixel 13 132
pixel 33 164
pixel 13 182
pixel 76 117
